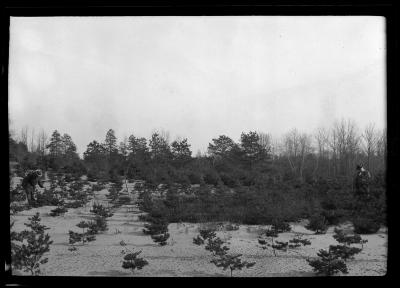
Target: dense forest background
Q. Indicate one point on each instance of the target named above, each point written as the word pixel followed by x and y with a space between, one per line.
pixel 252 180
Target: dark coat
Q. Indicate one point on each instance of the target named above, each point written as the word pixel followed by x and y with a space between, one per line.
pixel 32 179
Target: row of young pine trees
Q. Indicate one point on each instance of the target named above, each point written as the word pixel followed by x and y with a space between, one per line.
pixel 29 247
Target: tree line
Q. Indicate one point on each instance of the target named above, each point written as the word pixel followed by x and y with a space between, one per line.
pixel 327 154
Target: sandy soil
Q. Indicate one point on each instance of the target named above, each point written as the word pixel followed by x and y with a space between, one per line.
pixel 181 257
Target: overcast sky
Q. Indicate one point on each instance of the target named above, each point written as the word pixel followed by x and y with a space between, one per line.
pixel 197 77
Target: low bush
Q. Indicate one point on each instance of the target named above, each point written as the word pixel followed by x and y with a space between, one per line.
pixel 100 210
pixel 29 246
pixel 344 252
pixel 60 210
pixel 211 178
pixel 364 225
pixel 83 237
pixel 318 224
pixel 231 227
pixel 160 239
pixel 47 198
pixel 98 187
pixel 15 208
pixel 74 204
pixel 17 194
pixel 132 261
pixel 195 178
pixel 231 262
pixel 280 226
pixel 100 224
pixel 157 228
pixel 219 250
pixel 328 263
pixel 124 200
pixel 333 216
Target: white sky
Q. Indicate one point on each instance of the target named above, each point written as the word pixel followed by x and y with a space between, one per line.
pixel 197 77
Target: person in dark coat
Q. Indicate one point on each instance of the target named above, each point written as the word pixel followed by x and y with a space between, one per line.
pixel 29 183
pixel 362 179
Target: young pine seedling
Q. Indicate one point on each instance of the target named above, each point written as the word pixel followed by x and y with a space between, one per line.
pixel 29 246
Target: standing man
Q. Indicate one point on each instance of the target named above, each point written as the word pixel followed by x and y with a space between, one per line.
pixel 29 184
pixel 362 183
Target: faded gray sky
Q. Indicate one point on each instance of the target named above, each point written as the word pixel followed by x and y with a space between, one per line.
pixel 197 77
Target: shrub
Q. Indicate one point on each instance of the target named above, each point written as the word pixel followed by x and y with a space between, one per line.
pixel 58 211
pixel 194 178
pixel 113 194
pixel 98 187
pixel 228 180
pixel 211 178
pixel 132 262
pixel 280 226
pixel 75 187
pixel 161 239
pixel 231 227
pixel 92 176
pixel 17 194
pixel 318 224
pixel 99 224
pixel 100 210
pixel 348 239
pixel 15 208
pixel 328 263
pixel 220 251
pixel 47 198
pixel 216 246
pixel 85 236
pixel 74 204
pixel 298 241
pixel 155 228
pixel 28 247
pixel 204 235
pixel 344 252
pixel 72 248
pixel 268 235
pixel 363 225
pixel 232 262
pixel 333 217
pixel 124 200
pixel 68 178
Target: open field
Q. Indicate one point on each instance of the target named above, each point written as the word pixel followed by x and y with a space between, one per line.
pixel 180 257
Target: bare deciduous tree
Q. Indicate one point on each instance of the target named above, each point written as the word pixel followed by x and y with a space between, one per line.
pixel 24 136
pixel 344 141
pixel 296 147
pixel 41 142
pixel 32 142
pixel 369 144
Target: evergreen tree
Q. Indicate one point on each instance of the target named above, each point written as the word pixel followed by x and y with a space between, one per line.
pixel 132 261
pixel 110 143
pixel 181 152
pixel 29 246
pixel 221 146
pixel 68 146
pixel 253 151
pixel 137 146
pixel 94 151
pixel 55 145
pixel 159 148
pixel 328 263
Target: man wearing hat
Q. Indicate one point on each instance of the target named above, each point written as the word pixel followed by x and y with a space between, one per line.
pixel 362 182
pixel 29 184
